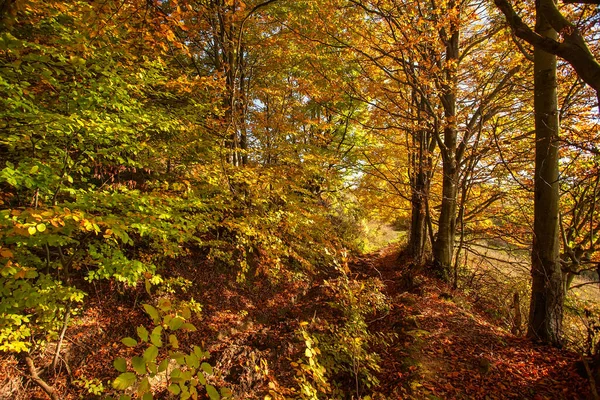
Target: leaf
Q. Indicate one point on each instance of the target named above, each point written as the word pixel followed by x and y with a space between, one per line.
pixel 207 368
pixel 6 253
pixel 152 312
pixel 139 365
pixel 179 357
pixel 120 364
pixel 192 361
pixel 147 396
pixel 129 342
pixel 176 323
pixel 124 381
pixel 142 333
pixel 151 353
pixel 41 227
pixel 32 230
pixel 201 378
pixel 188 327
pixel 174 388
pixel 144 386
pixel 198 352
pixel 156 340
pixel 164 364
pixel 212 392
pixel 173 341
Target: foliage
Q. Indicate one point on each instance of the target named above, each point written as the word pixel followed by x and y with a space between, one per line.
pixel 340 356
pixel 162 365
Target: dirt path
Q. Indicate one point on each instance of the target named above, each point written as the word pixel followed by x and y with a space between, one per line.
pixel 447 350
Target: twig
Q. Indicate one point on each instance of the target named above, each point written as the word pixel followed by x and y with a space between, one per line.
pixel 62 336
pixel 591 378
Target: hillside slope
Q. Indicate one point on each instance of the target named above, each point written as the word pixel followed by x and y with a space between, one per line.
pixel 441 347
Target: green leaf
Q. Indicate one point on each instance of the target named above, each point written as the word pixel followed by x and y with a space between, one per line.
pixel 198 352
pixel 147 396
pixel 129 342
pixel 139 365
pixel 32 230
pixel 142 333
pixel 174 388
pixel 201 378
pixel 41 227
pixel 176 323
pixel 151 353
pixel 152 312
pixel 179 357
pixel 212 392
pixel 144 386
pixel 226 393
pixel 120 364
pixel 164 364
pixel 207 368
pixel 192 361
pixel 156 336
pixel 125 397
pixel 188 327
pixel 173 341
pixel 176 376
pixel 152 367
pixel 124 381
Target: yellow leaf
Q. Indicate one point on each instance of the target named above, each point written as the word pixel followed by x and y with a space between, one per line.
pixel 31 230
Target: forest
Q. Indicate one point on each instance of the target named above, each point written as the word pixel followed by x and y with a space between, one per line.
pixel 299 199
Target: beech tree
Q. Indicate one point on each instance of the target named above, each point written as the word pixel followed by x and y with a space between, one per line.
pixel 546 308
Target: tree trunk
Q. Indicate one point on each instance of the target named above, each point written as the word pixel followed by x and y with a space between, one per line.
pixel 419 198
pixel 421 166
pixel 444 245
pixel 547 295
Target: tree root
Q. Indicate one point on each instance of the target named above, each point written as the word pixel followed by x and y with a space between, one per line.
pixel 33 374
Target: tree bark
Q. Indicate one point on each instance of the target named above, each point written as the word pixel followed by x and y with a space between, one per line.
pixel 421 163
pixel 444 245
pixel 547 295
pixel 418 233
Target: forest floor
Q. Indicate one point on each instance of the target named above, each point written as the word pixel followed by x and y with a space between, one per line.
pixel 443 346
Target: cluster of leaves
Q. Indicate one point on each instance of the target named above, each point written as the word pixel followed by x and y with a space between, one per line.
pixel 339 360
pixel 162 364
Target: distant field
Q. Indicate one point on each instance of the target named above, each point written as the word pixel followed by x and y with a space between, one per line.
pixel 516 263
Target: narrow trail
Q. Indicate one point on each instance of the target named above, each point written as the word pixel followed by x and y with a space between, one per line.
pixel 448 350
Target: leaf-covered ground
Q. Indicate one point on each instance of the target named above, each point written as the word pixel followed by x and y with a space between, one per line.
pixel 449 350
pixel 444 347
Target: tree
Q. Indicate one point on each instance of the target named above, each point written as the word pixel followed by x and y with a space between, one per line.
pixel 547 295
pixel 546 309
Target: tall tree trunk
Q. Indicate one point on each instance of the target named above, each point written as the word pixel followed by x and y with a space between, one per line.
pixel 444 244
pixel 421 163
pixel 547 295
